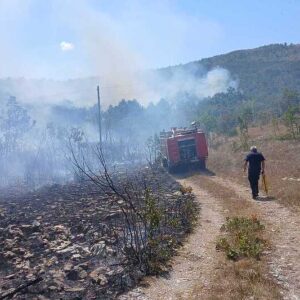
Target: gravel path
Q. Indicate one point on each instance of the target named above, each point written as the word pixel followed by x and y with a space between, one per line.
pixel 197 262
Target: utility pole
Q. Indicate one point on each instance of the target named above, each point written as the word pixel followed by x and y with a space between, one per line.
pixel 99 116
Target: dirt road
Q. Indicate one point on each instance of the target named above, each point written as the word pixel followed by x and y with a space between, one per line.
pixel 197 262
pixel 284 228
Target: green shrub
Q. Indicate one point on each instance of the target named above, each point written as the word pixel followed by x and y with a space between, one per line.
pixel 242 238
pixel 157 229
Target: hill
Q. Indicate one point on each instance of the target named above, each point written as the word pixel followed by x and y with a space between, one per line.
pixel 262 72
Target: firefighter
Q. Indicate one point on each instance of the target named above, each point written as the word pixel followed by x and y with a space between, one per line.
pixel 256 166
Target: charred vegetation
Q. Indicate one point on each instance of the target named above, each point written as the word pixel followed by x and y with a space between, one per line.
pixel 94 238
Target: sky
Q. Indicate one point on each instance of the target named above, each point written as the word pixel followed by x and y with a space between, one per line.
pixel 62 39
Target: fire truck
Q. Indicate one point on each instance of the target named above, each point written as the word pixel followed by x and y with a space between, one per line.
pixel 183 149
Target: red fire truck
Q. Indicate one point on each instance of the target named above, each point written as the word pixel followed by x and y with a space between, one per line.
pixel 183 148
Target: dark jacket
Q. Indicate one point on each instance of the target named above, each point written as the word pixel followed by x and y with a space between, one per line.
pixel 254 160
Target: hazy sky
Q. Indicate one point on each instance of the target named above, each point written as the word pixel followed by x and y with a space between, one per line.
pixel 65 39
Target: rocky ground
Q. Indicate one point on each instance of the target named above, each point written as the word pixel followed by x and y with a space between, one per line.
pixel 58 243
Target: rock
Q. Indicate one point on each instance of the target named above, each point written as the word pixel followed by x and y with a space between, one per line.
pixel 58 274
pixel 177 193
pixel 77 272
pixel 98 277
pixel 111 252
pixel 53 288
pixel 9 255
pixel 26 229
pixel 62 245
pixel 68 267
pixel 73 275
pixel 83 274
pixel 19 251
pixel 41 297
pixel 83 266
pixel 61 229
pixel 36 225
pixel 30 277
pixel 9 244
pixel 23 265
pixel 37 242
pixel 28 255
pixel 14 231
pixel 74 249
pixel 76 257
pixel 68 250
pixel 115 271
pixel 74 289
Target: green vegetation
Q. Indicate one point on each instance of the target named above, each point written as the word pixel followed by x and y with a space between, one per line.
pixel 230 113
pixel 242 238
pixel 268 92
pixel 161 228
pixel 263 73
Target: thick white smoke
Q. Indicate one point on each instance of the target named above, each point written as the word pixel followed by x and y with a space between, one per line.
pixel 112 55
pixel 188 80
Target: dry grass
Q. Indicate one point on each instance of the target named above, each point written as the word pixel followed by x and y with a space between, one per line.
pixel 282 163
pixel 228 199
pixel 246 278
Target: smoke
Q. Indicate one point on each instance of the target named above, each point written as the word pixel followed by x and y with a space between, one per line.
pixel 109 57
pixel 145 86
pixel 120 67
pixel 115 44
pixel 189 79
pixel 116 51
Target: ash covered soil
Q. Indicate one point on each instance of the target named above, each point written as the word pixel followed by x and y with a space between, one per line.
pixel 59 243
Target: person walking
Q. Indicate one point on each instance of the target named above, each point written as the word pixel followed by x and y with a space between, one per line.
pixel 255 162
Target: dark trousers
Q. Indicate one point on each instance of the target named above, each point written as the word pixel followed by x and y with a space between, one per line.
pixel 253 179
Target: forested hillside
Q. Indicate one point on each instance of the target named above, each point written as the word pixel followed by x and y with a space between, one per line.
pixel 262 72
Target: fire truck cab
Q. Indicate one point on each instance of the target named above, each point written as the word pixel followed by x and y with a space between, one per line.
pixel 183 148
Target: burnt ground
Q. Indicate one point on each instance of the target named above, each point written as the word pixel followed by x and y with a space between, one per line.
pixel 60 239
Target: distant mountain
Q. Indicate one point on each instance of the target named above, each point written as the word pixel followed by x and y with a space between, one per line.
pixel 261 72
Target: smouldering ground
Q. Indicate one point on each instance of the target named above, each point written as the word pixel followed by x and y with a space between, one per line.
pixel 67 240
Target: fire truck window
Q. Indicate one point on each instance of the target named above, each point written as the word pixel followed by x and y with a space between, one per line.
pixel 187 149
